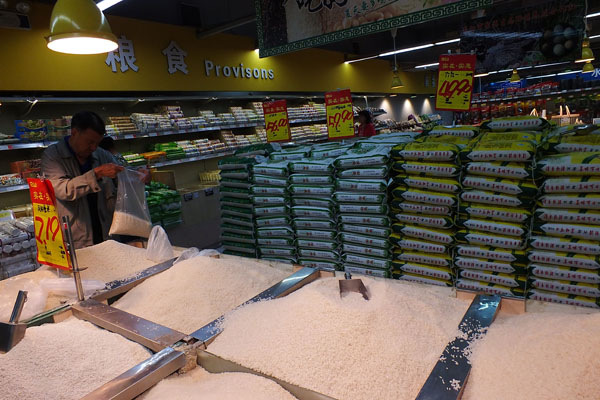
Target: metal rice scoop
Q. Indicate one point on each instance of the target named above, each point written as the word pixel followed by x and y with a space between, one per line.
pixel 12 332
pixel 352 285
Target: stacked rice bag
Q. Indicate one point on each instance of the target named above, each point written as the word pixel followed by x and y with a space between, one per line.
pixel 237 219
pixel 314 220
pixel 425 199
pixel 495 211
pixel 565 244
pixel 270 197
pixel 465 131
pixel 361 203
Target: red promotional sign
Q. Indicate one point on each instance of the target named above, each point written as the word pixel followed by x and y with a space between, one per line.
pixel 340 115
pixel 455 82
pixel 277 124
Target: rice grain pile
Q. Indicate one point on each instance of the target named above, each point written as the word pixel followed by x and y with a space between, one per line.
pixel 128 224
pixel 194 292
pixel 546 356
pixel 65 361
pixel 200 384
pixel 111 260
pixel 347 348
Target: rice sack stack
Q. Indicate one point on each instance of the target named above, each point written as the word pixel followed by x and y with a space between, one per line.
pixel 464 131
pixel 237 219
pixel 270 197
pixel 361 203
pixel 495 210
pixel 314 219
pixel 424 203
pixel 565 244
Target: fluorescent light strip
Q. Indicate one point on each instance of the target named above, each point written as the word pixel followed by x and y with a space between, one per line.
pixel 552 64
pixel 541 76
pixel 594 37
pixel 567 72
pixel 104 4
pixel 597 14
pixel 391 53
pixel 360 59
pixel 480 75
pixel 428 65
pixel 447 42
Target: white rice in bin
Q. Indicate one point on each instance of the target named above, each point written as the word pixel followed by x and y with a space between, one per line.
pixel 547 356
pixel 347 348
pixel 112 260
pixel 65 361
pixel 194 292
pixel 200 384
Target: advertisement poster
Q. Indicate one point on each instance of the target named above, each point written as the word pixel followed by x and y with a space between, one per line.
pixel 455 82
pixel 277 123
pixel 290 25
pixel 524 37
pixel 340 114
pixel 51 248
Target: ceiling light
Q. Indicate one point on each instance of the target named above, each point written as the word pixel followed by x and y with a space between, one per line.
pixel 588 67
pixel 594 37
pixel 104 4
pixel 503 70
pixel 481 75
pixel 79 27
pixel 257 50
pixel 586 52
pixel 393 95
pixel 408 49
pixel 597 14
pixel 447 42
pixel 566 72
pixel 396 81
pixel 551 64
pixel 413 96
pixel 428 65
pixel 359 59
pixel 541 76
pixel 515 76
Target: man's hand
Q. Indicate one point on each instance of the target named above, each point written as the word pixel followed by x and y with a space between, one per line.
pixel 146 175
pixel 107 170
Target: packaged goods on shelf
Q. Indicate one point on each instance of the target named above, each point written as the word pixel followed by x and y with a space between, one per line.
pixel 151 122
pixel 154 156
pixel 172 150
pixel 11 180
pixel 120 126
pixel 18 247
pixel 26 168
pixel 164 204
pixel 31 130
pixel 134 159
pixel 424 206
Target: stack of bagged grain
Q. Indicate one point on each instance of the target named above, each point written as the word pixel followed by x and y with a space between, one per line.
pixel 237 219
pixel 314 220
pixel 495 212
pixel 275 236
pixel 565 246
pixel 361 204
pixel 425 199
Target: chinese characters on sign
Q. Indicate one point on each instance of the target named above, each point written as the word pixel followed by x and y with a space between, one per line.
pixel 455 82
pixel 175 58
pixel 124 55
pixel 48 235
pixel 340 115
pixel 276 121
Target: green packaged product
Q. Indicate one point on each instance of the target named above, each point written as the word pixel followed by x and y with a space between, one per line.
pixel 374 220
pixel 320 264
pixel 260 149
pixel 362 208
pixel 315 234
pixel 366 261
pixel 288 155
pixel 272 221
pixel 239 229
pixel 311 179
pixel 286 242
pixel 235 220
pixel 316 190
pixel 369 173
pixel 235 174
pixel 311 212
pixel 234 192
pixel 268 190
pixel 443 273
pixel 236 202
pixel 239 253
pixel 366 230
pixel 228 163
pixel 360 270
pixel 321 167
pixel 428 234
pixel 270 232
pixel 237 238
pixel 270 211
pixel 426 169
pixel 500 228
pixel 237 211
pixel 363 250
pixel 365 157
pixel 363 185
pixel 322 202
pixel 239 247
pixel 268 200
pixel 406 182
pixel 427 151
pixel 329 153
pixel 350 197
pixel 314 224
pixel 277 251
pixel 319 254
pixel 234 183
pixel 271 169
pixel 363 240
pixel 269 180
pixel 408 256
pixel 316 244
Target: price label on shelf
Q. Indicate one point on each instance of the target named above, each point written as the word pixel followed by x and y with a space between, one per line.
pixel 276 121
pixel 455 82
pixel 51 249
pixel 340 115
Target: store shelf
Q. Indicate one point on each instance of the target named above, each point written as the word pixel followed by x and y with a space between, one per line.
pixel 15 188
pixel 191 159
pixel 17 146
pixel 538 95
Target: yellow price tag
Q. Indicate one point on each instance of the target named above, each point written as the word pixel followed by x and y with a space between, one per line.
pixel 455 82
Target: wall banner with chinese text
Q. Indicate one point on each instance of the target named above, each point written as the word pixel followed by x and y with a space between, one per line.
pixel 340 115
pixel 51 248
pixel 276 121
pixel 455 82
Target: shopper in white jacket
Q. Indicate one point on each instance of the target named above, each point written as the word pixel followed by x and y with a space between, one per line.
pixel 82 177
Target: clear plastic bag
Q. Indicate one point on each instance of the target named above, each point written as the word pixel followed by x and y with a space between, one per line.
pixel 66 286
pixel 159 247
pixel 36 298
pixel 131 215
pixel 187 254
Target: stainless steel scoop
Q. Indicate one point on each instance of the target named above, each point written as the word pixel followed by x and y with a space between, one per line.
pixel 353 285
pixel 12 332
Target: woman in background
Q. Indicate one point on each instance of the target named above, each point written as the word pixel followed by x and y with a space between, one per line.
pixel 366 127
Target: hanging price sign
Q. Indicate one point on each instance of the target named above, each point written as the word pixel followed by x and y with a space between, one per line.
pixel 276 121
pixel 455 82
pixel 48 235
pixel 340 115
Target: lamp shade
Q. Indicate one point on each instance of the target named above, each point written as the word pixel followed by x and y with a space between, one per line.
pixel 586 53
pixel 79 27
pixel 396 81
pixel 515 76
pixel 587 67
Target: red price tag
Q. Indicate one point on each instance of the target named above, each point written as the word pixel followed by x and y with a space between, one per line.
pixel 276 121
pixel 340 115
pixel 48 235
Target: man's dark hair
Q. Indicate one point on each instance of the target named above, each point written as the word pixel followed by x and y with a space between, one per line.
pixel 88 120
pixel 107 143
pixel 367 115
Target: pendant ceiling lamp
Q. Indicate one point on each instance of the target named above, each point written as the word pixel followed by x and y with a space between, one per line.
pixel 587 67
pixel 396 81
pixel 515 76
pixel 79 27
pixel 586 52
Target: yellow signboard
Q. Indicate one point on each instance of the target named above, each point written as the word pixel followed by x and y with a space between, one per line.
pixel 48 234
pixel 455 82
pixel 276 121
pixel 340 115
